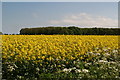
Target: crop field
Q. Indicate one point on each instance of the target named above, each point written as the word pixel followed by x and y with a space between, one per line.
pixel 34 57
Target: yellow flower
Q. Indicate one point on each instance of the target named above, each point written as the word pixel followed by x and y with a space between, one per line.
pixel 60 47
pixel 43 57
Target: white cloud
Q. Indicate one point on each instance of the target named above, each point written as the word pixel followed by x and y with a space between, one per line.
pixel 84 19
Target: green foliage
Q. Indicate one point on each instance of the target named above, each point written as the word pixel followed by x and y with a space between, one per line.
pixel 1 33
pixel 101 67
pixel 69 31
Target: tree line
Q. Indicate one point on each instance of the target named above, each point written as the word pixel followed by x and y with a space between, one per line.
pixel 1 33
pixel 72 30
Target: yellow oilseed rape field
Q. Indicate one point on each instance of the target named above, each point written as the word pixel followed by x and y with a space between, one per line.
pixel 73 56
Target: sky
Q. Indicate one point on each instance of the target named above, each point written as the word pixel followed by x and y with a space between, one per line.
pixel 0 16
pixel 17 15
pixel 60 0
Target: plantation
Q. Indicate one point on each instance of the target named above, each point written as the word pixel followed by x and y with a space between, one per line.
pixel 34 57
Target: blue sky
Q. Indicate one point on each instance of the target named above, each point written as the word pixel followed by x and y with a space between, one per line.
pixel 60 0
pixel 17 15
pixel 0 16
